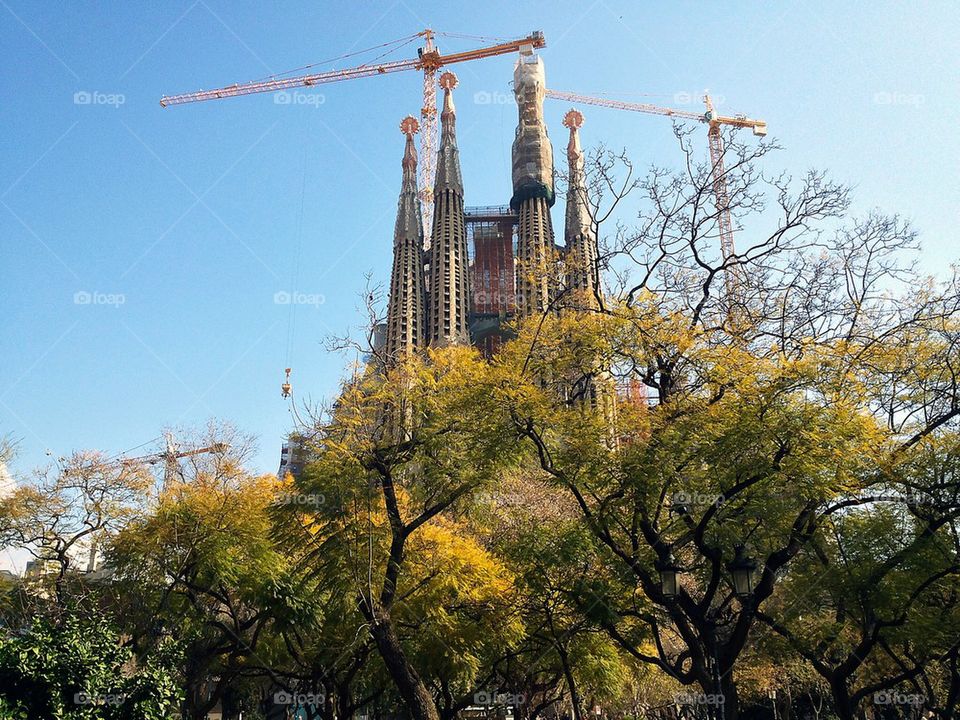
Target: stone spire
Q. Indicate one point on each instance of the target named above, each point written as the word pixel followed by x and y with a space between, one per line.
pixel 449 296
pixel 578 234
pixel 533 193
pixel 448 157
pixel 405 333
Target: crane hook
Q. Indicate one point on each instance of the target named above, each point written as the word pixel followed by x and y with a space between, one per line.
pixel 286 387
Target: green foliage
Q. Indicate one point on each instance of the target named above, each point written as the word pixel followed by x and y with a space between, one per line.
pixel 76 668
pixel 204 568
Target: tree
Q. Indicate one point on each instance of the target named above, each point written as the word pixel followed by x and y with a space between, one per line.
pixel 201 567
pixel 538 531
pixel 72 510
pixel 780 404
pixel 712 470
pixel 883 581
pixel 74 667
pixel 400 453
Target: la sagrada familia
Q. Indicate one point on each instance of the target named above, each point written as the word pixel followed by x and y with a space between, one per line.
pixel 432 300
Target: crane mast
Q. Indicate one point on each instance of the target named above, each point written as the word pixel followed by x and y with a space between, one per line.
pixel 724 221
pixel 427 167
pixel 429 60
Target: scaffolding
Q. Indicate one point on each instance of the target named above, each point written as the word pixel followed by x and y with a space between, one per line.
pixel 491 243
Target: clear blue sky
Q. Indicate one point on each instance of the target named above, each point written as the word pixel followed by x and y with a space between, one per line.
pixel 191 214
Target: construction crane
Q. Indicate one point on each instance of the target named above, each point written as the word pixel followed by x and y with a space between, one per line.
pixel 172 455
pixel 428 59
pixel 169 457
pixel 713 121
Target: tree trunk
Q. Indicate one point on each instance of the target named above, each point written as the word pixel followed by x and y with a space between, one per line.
pixel 329 702
pixel 841 699
pixel 729 709
pixel 575 700
pixel 415 695
pixel 199 701
pixel 344 701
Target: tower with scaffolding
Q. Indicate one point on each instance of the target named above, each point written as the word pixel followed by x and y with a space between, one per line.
pixel 492 238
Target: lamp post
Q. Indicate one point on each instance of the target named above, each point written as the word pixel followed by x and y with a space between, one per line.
pixel 668 570
pixel 741 568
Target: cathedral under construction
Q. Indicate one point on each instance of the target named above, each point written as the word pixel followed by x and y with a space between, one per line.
pixel 438 294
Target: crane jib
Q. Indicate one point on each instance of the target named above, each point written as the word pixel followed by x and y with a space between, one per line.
pixel 276 85
pixel 428 61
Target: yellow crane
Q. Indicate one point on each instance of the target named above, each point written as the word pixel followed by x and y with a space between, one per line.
pixel 428 60
pixel 713 121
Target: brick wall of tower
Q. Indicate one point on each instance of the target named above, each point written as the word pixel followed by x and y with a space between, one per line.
pixel 493 283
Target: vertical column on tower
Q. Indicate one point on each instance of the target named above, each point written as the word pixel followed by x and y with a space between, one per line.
pixel 579 238
pixel 449 294
pixel 405 308
pixel 533 192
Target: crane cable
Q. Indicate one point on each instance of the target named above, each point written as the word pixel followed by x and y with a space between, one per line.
pixel 403 40
pixel 630 92
pixel 392 45
pixel 479 38
pixel 295 269
pixel 392 50
pixel 121 456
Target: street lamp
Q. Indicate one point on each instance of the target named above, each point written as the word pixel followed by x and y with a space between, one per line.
pixel 668 570
pixel 742 569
